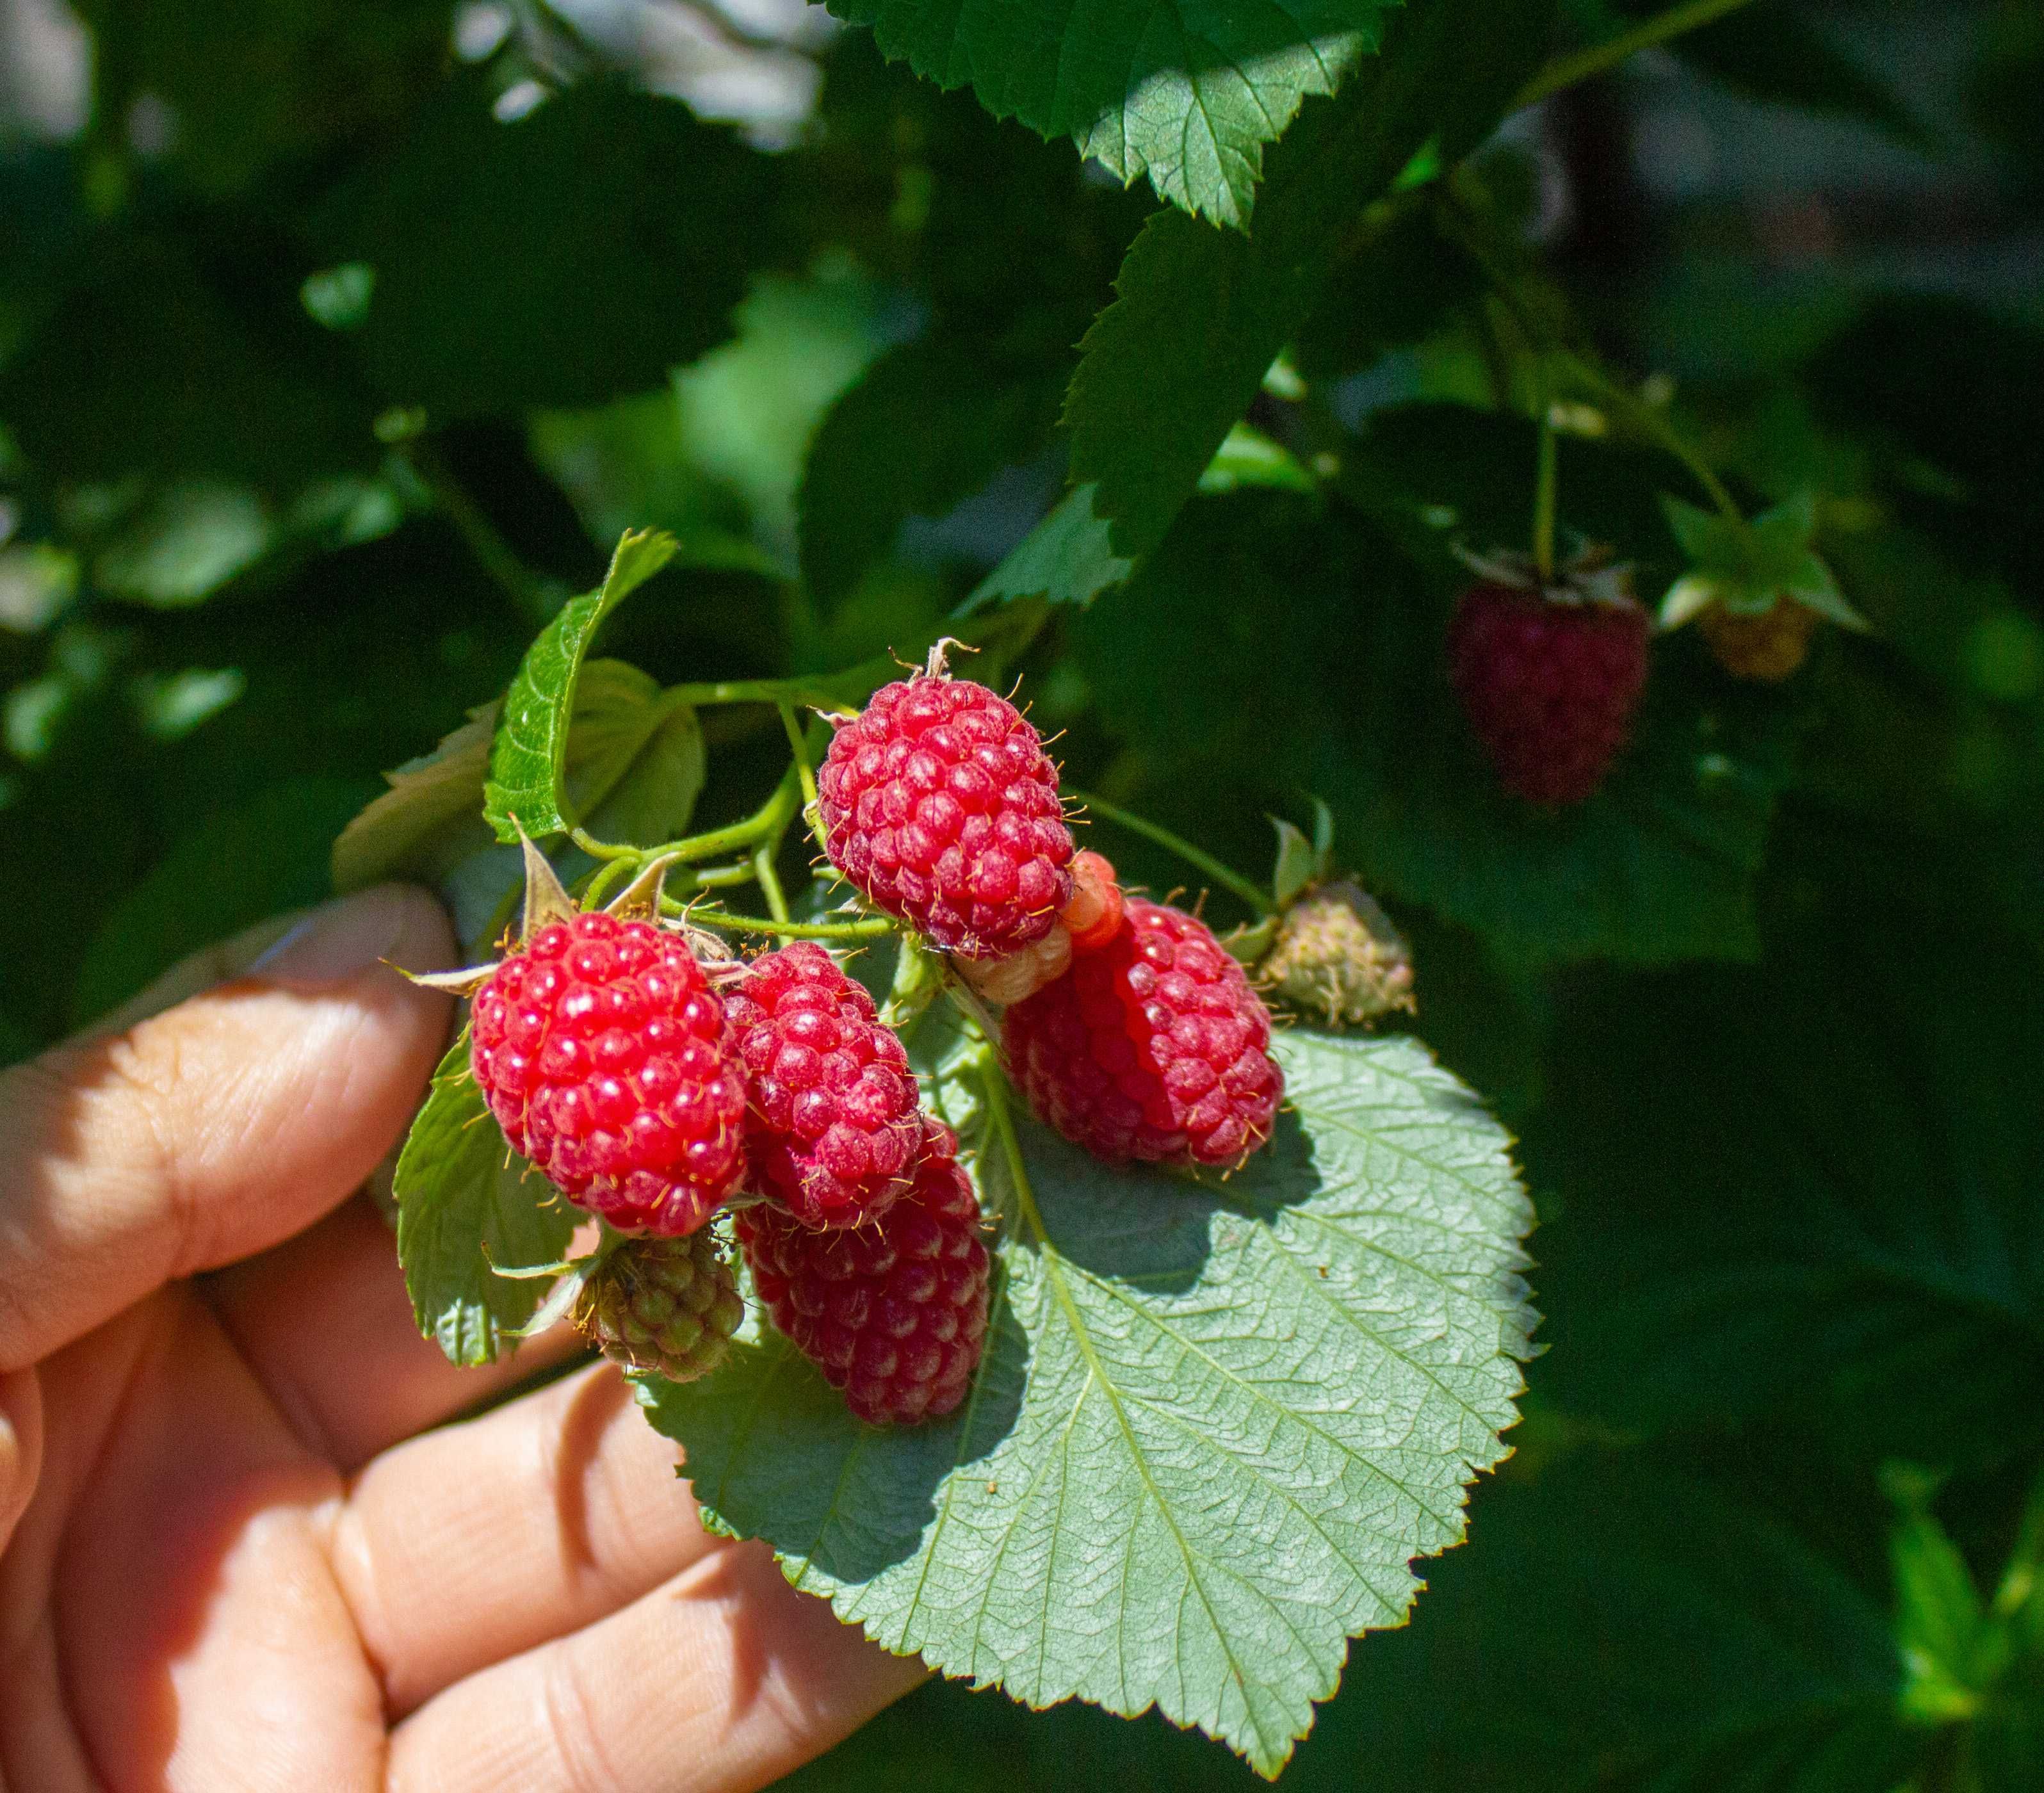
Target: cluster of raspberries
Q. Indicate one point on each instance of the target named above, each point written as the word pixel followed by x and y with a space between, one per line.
pixel 652 1094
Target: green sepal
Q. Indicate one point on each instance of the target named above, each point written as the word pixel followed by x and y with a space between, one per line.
pixel 1748 567
pixel 1298 864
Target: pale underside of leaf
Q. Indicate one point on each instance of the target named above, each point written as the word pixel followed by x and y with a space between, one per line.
pixel 1214 1424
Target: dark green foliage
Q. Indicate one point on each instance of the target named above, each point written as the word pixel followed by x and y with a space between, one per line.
pixel 1170 353
pixel 570 257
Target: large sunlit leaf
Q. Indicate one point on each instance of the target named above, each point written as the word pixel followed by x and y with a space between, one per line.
pixel 1188 92
pixel 1214 1424
pixel 1612 1623
pixel 1200 315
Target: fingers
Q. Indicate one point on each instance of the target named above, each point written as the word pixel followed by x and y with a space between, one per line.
pixel 720 1681
pixel 217 1128
pixel 21 1445
pixel 324 1324
pixel 471 1543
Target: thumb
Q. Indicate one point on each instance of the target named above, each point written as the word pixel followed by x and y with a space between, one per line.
pixel 215 1128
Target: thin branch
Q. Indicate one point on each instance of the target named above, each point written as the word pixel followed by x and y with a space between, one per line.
pixel 1599 58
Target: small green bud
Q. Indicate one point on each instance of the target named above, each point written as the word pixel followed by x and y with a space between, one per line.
pixel 1339 958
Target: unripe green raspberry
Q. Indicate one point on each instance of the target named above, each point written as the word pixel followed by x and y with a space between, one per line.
pixel 1338 958
pixel 666 1305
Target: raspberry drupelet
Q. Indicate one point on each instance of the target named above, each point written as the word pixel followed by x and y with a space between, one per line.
pixel 832 1124
pixel 939 805
pixel 893 1314
pixel 599 1046
pixel 1152 1047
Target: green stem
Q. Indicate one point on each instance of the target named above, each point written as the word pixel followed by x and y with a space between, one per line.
pixel 1649 421
pixel 785 691
pixel 799 748
pixel 769 881
pixel 1585 65
pixel 993 1087
pixel 1544 487
pixel 867 927
pixel 603 849
pixel 602 879
pixel 1225 877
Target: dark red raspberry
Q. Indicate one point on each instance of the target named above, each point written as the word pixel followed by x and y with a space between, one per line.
pixel 1548 686
pixel 1152 1047
pixel 600 1047
pixel 940 804
pixel 893 1314
pixel 833 1124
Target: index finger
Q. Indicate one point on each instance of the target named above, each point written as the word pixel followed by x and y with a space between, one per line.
pixel 216 1128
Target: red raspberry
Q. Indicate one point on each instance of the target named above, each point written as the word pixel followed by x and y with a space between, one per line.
pixel 1548 686
pixel 1152 1047
pixel 832 1122
pixel 599 1047
pixel 893 1314
pixel 940 804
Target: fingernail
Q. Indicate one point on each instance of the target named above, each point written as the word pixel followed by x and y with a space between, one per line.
pixel 343 937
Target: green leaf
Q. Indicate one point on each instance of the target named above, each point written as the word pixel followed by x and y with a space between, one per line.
pixel 635 767
pixel 1213 1426
pixel 1767 1222
pixel 1940 1621
pixel 1247 457
pixel 1067 559
pixel 1251 594
pixel 1168 368
pixel 572 256
pixel 159 361
pixel 928 425
pixel 249 82
pixel 1298 864
pixel 465 1201
pixel 1611 1622
pixel 1613 1611
pixel 1189 93
pixel 529 752
pixel 661 773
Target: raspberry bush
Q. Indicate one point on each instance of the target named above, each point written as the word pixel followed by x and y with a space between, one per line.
pixel 849 537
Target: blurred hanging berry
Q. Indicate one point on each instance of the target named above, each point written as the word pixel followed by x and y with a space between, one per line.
pixel 1548 675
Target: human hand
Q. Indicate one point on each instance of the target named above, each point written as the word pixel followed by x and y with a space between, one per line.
pixel 227 1559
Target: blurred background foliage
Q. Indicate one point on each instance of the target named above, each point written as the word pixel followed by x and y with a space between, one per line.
pixel 339 341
